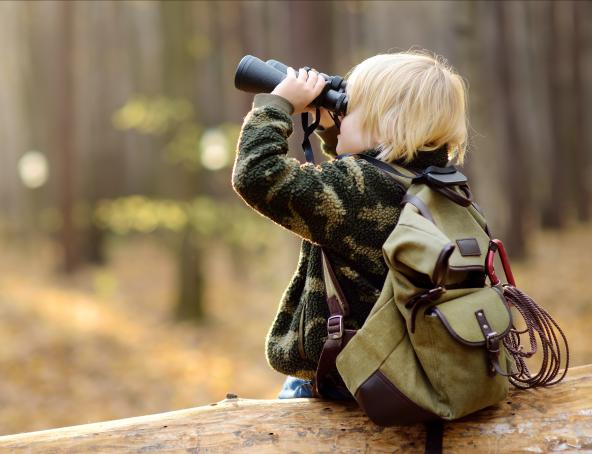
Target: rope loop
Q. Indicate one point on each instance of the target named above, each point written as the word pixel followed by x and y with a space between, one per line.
pixel 539 324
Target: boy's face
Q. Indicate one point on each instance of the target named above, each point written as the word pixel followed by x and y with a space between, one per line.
pixel 351 138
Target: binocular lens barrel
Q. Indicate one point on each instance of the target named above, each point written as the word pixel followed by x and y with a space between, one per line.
pixel 256 76
pixel 278 65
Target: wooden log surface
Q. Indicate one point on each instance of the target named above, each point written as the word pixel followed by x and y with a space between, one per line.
pixel 558 418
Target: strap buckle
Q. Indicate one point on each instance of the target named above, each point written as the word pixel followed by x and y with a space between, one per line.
pixel 492 342
pixel 335 327
pixel 431 295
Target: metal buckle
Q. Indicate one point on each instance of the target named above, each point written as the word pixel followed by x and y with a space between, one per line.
pixel 492 338
pixel 435 292
pixel 330 326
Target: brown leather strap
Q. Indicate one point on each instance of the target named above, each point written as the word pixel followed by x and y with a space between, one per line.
pixel 326 366
pixel 441 268
pixel 328 271
pixel 492 341
pixel 453 195
pixel 337 335
pixel 418 203
pixel 416 302
pixel 434 437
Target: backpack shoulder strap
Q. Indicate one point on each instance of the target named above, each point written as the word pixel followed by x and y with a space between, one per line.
pixel 333 289
pixel 337 334
pixel 400 174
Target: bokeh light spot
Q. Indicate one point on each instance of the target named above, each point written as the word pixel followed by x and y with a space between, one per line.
pixel 33 169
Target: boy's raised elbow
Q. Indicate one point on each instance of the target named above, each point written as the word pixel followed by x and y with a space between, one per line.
pixel 238 181
pixel 243 182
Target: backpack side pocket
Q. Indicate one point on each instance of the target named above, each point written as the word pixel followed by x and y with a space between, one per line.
pixel 456 354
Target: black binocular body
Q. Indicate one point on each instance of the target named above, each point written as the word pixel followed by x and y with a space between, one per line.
pixel 256 76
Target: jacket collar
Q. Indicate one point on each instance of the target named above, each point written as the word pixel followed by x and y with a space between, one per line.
pixel 422 159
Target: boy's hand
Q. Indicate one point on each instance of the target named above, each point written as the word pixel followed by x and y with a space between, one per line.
pixel 301 90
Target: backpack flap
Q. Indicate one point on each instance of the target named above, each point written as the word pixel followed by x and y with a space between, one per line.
pixel 412 251
pixel 475 318
pixel 464 316
pixel 460 226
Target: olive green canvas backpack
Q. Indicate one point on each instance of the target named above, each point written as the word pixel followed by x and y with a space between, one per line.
pixel 440 342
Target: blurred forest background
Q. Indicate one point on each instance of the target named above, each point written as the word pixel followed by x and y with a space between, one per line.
pixel 134 281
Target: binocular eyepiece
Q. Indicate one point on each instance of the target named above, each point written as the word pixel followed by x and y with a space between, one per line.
pixel 256 76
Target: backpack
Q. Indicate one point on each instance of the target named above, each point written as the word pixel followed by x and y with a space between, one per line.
pixel 440 342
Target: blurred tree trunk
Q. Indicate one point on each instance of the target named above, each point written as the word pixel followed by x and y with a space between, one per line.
pixel 101 160
pixel 540 113
pixel 252 28
pixel 469 54
pixel 191 281
pixel 487 132
pixel 352 31
pixel 65 141
pixel 582 162
pixel 560 62
pixel 182 79
pixel 13 114
pixel 507 54
pixel 309 50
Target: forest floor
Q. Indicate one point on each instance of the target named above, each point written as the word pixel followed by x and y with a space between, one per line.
pixel 102 345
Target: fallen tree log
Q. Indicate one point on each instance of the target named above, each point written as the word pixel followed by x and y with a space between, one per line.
pixel 540 420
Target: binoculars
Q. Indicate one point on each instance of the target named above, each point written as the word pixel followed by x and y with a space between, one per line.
pixel 256 76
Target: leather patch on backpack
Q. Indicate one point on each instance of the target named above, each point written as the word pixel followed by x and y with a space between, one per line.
pixel 468 247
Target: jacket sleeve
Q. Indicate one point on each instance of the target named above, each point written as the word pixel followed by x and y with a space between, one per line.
pixel 312 201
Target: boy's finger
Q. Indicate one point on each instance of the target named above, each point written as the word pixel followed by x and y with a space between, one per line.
pixel 291 72
pixel 320 81
pixel 319 85
pixel 302 75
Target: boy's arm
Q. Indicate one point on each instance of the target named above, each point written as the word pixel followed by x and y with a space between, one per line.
pixel 309 200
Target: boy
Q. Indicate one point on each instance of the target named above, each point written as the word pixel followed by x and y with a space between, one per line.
pixel 407 108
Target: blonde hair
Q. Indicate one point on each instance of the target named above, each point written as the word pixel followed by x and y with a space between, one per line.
pixel 410 101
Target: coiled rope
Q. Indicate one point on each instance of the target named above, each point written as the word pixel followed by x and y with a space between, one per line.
pixel 538 323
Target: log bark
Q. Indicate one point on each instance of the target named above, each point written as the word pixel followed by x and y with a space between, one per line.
pixel 541 420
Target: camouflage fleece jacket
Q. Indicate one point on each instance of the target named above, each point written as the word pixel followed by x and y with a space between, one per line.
pixel 346 206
